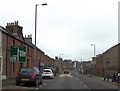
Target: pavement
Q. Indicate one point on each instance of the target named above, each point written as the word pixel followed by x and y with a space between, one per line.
pixel 110 81
pixel 6 82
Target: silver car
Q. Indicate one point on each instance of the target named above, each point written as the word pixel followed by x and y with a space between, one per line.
pixel 47 73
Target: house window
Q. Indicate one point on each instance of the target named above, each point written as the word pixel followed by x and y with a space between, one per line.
pixel 13 42
pixel 107 62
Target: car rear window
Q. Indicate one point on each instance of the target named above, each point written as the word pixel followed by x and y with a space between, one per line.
pixel 47 71
pixel 26 70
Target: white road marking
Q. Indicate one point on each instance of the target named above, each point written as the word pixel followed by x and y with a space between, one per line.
pixel 86 86
pixel 25 87
pixel 44 84
pixel 81 82
pixel 65 75
pixel 77 79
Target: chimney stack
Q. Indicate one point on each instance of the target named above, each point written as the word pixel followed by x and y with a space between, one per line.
pixel 16 22
pixel 15 29
pixel 12 23
pixel 29 38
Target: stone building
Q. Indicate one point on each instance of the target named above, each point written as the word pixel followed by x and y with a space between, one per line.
pixel 108 62
pixel 99 65
pixel 93 66
pixel 111 60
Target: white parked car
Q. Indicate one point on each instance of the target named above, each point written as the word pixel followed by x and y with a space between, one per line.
pixel 47 73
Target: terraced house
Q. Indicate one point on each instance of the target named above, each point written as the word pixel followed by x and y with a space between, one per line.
pixel 12 35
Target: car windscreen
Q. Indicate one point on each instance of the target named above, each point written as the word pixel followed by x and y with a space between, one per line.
pixel 29 70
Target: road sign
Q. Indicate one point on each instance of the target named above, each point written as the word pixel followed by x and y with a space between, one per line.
pixel 22 53
pixel 14 54
pixel 18 54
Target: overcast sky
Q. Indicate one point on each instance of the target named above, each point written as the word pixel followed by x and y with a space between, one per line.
pixel 67 27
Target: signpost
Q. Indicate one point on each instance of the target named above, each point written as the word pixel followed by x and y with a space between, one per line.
pixel 18 54
pixel 14 54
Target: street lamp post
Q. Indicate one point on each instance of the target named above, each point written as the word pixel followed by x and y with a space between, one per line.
pixel 36 29
pixel 94 49
pixel 81 66
pixel 60 56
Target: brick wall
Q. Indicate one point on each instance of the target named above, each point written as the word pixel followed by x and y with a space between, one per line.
pixel 110 59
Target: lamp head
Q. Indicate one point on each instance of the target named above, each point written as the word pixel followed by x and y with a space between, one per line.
pixel 44 4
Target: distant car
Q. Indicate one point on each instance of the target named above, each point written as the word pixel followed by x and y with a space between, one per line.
pixel 47 73
pixel 66 72
pixel 29 75
pixel 54 70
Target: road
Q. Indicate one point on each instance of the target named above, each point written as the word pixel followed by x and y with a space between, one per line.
pixel 68 81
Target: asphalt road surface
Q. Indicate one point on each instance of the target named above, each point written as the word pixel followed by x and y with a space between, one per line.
pixel 74 80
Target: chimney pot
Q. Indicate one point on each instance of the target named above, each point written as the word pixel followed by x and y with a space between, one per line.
pixel 11 23
pixel 8 24
pixel 30 35
pixel 16 22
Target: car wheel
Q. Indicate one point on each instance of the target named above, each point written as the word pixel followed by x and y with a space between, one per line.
pixel 40 82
